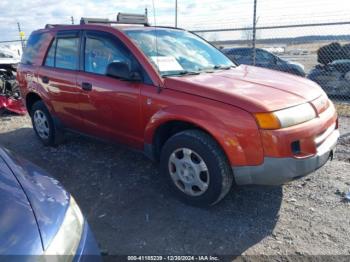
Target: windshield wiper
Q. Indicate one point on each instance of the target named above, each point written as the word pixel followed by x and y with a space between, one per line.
pixel 216 67
pixel 183 73
pixel 224 67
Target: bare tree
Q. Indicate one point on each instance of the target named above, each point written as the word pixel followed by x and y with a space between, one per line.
pixel 213 37
pixel 247 34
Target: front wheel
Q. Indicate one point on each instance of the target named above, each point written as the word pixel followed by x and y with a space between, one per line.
pixel 196 168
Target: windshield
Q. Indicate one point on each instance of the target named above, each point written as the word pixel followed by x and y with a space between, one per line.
pixel 177 52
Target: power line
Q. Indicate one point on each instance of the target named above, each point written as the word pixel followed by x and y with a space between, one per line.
pixel 271 27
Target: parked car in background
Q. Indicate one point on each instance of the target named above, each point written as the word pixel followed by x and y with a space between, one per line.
pixel 39 217
pixel 182 102
pixel 10 97
pixel 333 77
pixel 264 59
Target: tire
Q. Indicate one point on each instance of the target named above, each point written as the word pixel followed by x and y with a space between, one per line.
pixel 182 159
pixel 46 130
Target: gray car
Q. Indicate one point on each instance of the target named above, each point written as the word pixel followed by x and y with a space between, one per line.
pixel 264 59
pixel 334 78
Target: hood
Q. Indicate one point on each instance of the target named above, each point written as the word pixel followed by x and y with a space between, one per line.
pixel 19 234
pixel 251 88
pixel 9 61
pixel 47 197
pixel 9 55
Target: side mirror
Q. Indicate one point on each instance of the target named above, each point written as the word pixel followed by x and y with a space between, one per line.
pixel 121 70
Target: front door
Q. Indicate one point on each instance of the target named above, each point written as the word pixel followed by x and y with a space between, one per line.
pixel 112 108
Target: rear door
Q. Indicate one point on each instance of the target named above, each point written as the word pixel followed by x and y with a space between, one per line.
pixel 58 76
pixel 112 108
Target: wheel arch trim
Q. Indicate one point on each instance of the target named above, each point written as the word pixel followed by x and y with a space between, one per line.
pixel 199 118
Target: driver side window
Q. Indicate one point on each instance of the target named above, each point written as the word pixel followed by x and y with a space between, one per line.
pixel 101 50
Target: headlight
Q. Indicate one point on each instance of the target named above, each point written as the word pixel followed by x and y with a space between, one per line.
pixel 68 236
pixel 286 117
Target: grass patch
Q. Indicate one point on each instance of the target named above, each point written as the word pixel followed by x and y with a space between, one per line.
pixel 343 109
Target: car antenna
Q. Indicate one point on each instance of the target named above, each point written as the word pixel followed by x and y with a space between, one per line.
pixel 159 89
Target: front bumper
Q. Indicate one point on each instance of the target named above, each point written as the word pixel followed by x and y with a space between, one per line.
pixel 276 171
pixel 12 105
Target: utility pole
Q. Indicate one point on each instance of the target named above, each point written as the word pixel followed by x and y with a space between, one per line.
pixel 254 33
pixel 72 20
pixel 175 13
pixel 21 35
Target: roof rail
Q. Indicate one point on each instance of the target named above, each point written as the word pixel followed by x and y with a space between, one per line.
pixel 170 27
pixel 122 18
pixel 48 26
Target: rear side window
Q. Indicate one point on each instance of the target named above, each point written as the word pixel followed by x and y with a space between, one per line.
pixel 50 58
pixel 34 44
pixel 238 55
pixel 242 53
pixel 64 51
pixel 67 53
pixel 263 56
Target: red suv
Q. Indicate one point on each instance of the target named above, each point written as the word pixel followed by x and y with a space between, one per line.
pixel 172 95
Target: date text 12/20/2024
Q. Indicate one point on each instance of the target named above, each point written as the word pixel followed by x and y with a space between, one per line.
pixel 173 258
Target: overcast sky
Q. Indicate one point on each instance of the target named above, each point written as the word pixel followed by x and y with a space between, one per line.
pixel 200 14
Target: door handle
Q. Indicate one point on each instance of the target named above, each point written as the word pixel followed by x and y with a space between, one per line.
pixel 45 79
pixel 86 86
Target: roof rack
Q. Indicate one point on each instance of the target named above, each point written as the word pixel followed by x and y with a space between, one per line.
pixel 122 18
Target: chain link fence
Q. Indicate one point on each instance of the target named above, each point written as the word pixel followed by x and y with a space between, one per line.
pixel 317 51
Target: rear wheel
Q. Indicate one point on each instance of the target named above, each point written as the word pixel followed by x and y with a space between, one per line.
pixel 44 126
pixel 196 168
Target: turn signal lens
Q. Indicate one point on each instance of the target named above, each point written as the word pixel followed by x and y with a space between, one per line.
pixel 267 121
pixel 286 117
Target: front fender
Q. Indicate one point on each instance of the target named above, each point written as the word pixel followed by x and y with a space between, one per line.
pixel 234 129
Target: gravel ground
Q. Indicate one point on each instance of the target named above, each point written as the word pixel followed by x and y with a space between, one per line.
pixel 131 212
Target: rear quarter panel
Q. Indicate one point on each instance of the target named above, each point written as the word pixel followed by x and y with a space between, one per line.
pixel 27 74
